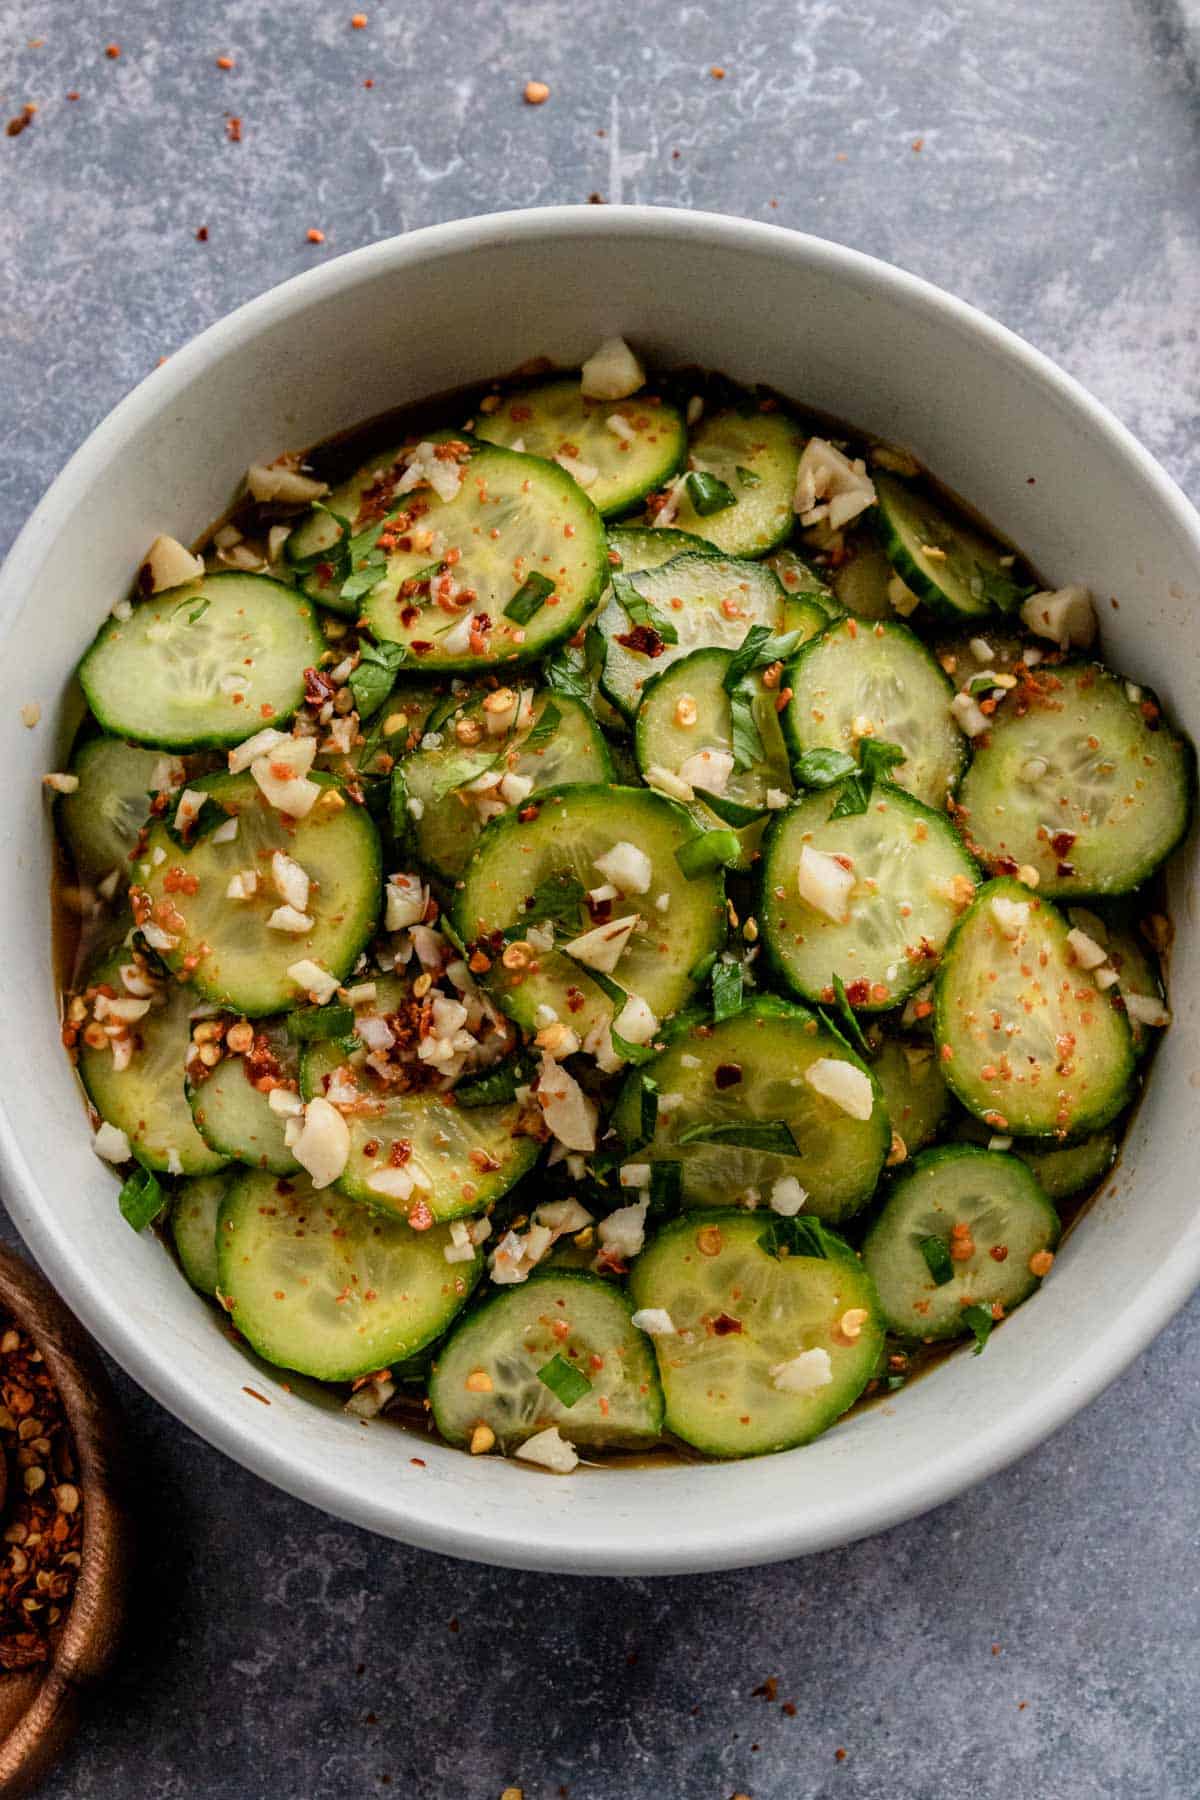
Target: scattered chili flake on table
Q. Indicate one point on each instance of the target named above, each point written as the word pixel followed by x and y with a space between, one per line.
pixel 225 62
pixel 73 94
pixel 536 93
pixel 202 234
pixel 233 128
pixel 358 21
pixel 717 72
pixel 43 1530
pixel 314 236
pixel 840 1754
pixel 918 144
pixel 24 118
pixel 112 51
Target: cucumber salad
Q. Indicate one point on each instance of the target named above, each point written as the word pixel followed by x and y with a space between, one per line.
pixel 604 914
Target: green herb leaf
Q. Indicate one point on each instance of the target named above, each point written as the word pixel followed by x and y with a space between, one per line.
pixel 937 1259
pixel 731 811
pixel 666 1191
pixel 823 768
pixel 649 1107
pixel 141 1199
pixel 370 684
pixel 980 1319
pixel 853 798
pixel 498 1087
pixel 198 609
pixel 337 554
pixel 549 720
pixel 895 1383
pixel 707 851
pixel 207 819
pixel 745 738
pixel 366 565
pixel 878 757
pixel 998 589
pixel 708 493
pixel 701 970
pixel 640 611
pixel 770 1135
pixel 758 650
pixel 457 769
pixel 556 901
pixel 747 477
pixel 794 1237
pixel 529 598
pixel 849 1019
pixel 566 674
pixel 726 982
pixel 613 991
pixel 311 1024
pixel 567 1383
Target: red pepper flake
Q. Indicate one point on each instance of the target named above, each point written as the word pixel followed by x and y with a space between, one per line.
pixel 717 72
pixel 840 1754
pixel 918 144
pixel 23 120
pixel 233 128
pixel 72 93
pixel 255 1395
pixel 368 83
pixel 536 93
pixel 725 1326
pixel 727 1075
pixel 224 62
pixel 420 1218
pixel 314 236
pixel 202 234
pixel 642 638
pixel 112 51
pixel 766 1690
pixel 358 21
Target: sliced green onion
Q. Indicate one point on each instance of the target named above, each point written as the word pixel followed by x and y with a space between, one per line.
pixel 312 1024
pixel 707 851
pixel 141 1199
pixel 726 990
pixel 529 598
pixel 937 1260
pixel 567 1383
pixel 980 1319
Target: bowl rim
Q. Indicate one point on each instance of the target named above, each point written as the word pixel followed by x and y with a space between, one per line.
pixel 696 1548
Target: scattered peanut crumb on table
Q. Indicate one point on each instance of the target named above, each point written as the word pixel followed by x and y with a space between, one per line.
pixel 536 93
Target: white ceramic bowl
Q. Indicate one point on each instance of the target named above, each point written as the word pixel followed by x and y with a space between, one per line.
pixel 429 312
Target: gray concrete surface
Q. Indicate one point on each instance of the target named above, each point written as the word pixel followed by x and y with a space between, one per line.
pixel 1036 1640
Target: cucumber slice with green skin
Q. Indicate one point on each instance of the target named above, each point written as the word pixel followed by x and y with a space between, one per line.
pixel 1065 1173
pixel 448 823
pixel 800 581
pixel 194 1228
pixel 1137 970
pixel 917 1099
pixel 320 1285
pixel 243 962
pixel 1004 1209
pixel 912 879
pixel 146 1099
pixel 854 675
pixel 741 1312
pixel 641 547
pixel 750 1068
pixel 764 446
pixel 442 1140
pixel 664 739
pixel 515 857
pixel 233 1116
pixel 1028 1043
pixel 1081 785
pixel 102 818
pixel 361 498
pixel 555 419
pixel 513 1335
pixel 861 582
pixel 710 602
pixel 168 674
pixel 973 575
pixel 514 516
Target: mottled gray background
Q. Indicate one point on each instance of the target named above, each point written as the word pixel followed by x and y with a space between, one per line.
pixel 1036 1640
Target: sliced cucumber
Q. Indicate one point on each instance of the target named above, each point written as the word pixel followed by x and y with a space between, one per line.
pixel 519 861
pixel 1063 1173
pixel 741 1314
pixel 146 1099
pixel 194 1227
pixel 243 961
pixel 317 1284
pixel 877 680
pixel 912 879
pixel 707 601
pixel 967 575
pixel 102 818
pixel 756 455
pixel 462 1158
pixel 684 713
pixel 362 499
pixel 1137 969
pixel 1028 1043
pixel 203 665
pixel 488 1371
pixel 643 547
pixel 556 419
pixel 1075 779
pixel 234 1116
pixel 514 517
pixel 861 581
pixel 917 1099
pixel 552 740
pixel 800 581
pixel 750 1070
pixel 976 1216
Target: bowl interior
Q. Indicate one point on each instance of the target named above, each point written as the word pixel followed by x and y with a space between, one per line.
pixel 437 310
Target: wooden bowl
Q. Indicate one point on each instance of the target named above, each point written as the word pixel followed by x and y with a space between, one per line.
pixel 39 1708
